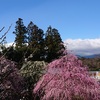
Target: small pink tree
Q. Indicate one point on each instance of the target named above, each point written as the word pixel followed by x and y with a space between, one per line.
pixel 67 79
pixel 11 82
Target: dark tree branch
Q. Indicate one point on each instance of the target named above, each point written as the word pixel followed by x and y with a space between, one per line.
pixel 2 29
pixel 5 32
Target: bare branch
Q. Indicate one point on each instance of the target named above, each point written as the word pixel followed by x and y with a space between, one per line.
pixel 5 32
pixel 2 29
pixel 7 51
pixel 3 37
pixel 2 40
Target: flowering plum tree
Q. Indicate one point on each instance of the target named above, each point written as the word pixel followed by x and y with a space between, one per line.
pixel 67 79
pixel 11 82
pixel 32 71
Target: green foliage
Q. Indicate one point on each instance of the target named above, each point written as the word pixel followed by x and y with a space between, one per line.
pixel 31 41
pixel 53 44
pixel 9 52
pixel 32 71
pixel 35 41
pixel 14 54
pixel 20 32
pixel 92 63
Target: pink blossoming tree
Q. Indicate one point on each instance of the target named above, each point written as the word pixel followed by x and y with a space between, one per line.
pixel 67 79
pixel 11 82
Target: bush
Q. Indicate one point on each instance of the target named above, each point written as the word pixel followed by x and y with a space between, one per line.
pixel 32 71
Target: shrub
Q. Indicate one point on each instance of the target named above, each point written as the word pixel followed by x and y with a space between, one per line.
pixel 32 71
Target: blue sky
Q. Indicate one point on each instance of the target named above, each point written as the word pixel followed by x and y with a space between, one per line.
pixel 74 19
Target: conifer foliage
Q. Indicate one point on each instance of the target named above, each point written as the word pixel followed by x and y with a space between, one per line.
pixel 20 32
pixel 20 48
pixel 67 79
pixel 31 42
pixel 53 44
pixel 35 41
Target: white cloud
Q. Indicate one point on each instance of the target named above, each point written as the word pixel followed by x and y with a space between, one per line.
pixel 9 44
pixel 83 46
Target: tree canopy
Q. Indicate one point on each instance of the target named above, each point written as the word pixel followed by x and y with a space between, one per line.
pixel 20 32
pixel 35 41
pixel 32 43
pixel 53 44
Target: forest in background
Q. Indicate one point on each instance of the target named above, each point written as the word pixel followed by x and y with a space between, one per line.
pixel 35 44
pixel 92 63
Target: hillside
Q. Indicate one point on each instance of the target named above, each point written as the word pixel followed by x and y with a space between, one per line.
pixel 92 61
pixel 92 56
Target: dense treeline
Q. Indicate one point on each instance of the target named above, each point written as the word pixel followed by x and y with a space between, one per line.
pixel 92 63
pixel 23 63
pixel 31 43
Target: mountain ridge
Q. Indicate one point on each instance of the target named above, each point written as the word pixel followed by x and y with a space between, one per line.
pixel 90 56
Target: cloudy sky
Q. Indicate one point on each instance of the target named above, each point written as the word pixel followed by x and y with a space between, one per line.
pixel 78 21
pixel 83 47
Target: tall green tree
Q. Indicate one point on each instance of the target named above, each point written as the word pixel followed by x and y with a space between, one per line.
pixel 53 44
pixel 20 32
pixel 20 40
pixel 35 41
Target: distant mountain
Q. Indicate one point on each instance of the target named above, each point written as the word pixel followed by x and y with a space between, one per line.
pixel 90 56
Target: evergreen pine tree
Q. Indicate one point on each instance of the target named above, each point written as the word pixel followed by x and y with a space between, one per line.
pixel 20 40
pixel 20 32
pixel 35 41
pixel 53 44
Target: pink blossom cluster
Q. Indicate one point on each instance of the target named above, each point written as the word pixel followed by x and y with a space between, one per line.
pixel 11 82
pixel 67 79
